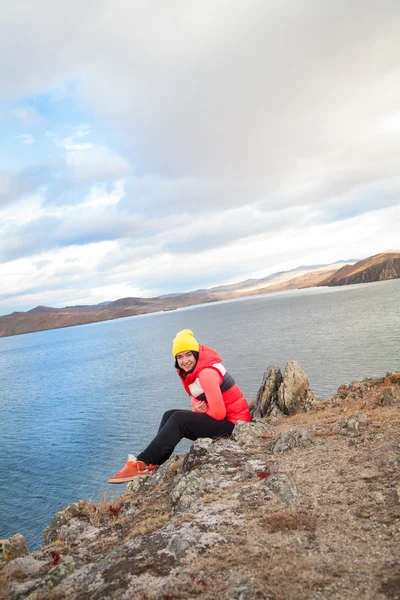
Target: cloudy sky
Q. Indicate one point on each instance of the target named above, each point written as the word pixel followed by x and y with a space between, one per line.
pixel 153 146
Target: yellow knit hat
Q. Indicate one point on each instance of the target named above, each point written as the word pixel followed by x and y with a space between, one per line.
pixel 184 341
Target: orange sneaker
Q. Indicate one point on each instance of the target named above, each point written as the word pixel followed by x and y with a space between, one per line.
pixel 132 469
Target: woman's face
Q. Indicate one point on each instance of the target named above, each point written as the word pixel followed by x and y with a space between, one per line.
pixel 186 361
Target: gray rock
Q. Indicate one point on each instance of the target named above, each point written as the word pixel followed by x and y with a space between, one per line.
pixel 170 470
pixel 197 453
pixel 29 564
pixel 250 469
pixel 267 396
pixel 13 547
pixel 18 590
pixel 190 538
pixel 294 394
pixel 255 494
pixel 387 398
pixel 90 533
pixel 136 484
pixel 248 593
pixel 190 489
pixel 352 426
pixel 62 517
pixel 361 417
pixel 250 434
pixel 283 487
pixel 276 412
pixel 48 579
pixel 128 508
pixel 180 544
pixel 292 439
pixel 71 531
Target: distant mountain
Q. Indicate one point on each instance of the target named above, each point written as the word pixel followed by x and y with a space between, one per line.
pixel 375 268
pixel 132 302
pixel 50 309
pixel 44 309
pixel 252 285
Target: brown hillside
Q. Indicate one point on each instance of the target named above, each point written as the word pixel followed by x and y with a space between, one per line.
pixel 368 269
pixel 375 268
pixel 43 318
pixel 311 279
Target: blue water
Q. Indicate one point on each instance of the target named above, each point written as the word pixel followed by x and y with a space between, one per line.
pixel 75 401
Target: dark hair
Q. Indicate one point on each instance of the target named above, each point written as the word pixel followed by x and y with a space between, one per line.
pixel 195 354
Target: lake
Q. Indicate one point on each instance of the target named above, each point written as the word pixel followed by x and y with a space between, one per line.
pixel 75 401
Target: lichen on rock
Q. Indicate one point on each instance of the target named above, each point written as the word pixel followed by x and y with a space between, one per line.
pixel 13 547
pixel 294 394
pixel 267 396
pixel 285 395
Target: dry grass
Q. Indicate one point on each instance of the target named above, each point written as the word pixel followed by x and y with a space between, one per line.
pixel 179 519
pixel 102 511
pixel 289 521
pixel 208 579
pixel 148 525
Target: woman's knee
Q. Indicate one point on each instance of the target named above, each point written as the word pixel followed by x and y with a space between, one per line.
pixel 181 419
pixel 176 417
pixel 166 417
pixel 168 414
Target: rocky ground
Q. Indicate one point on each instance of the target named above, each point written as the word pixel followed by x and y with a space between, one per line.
pixel 305 506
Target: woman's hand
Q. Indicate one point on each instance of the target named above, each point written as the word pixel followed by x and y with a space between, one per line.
pixel 201 406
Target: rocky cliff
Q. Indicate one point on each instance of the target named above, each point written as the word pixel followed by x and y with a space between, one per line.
pixel 302 503
pixel 379 267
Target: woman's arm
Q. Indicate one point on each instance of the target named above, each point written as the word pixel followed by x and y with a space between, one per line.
pixel 210 382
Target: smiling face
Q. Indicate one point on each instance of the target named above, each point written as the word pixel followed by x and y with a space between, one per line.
pixel 186 361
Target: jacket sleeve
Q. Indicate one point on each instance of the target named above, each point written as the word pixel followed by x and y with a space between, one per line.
pixel 210 382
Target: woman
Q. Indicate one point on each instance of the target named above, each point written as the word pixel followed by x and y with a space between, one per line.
pixel 217 404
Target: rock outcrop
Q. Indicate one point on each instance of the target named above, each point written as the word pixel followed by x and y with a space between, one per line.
pixel 294 394
pixel 304 506
pixel 267 397
pixel 13 547
pixel 285 395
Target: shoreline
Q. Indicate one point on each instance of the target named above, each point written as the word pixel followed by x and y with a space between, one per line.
pixel 149 312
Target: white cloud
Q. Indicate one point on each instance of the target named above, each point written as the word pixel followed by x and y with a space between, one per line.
pixel 95 163
pixel 27 116
pixel 71 277
pixel 17 214
pixel 15 186
pixel 99 197
pixel 70 142
pixel 227 139
pixel 26 138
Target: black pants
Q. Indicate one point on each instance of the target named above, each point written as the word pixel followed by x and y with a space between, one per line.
pixel 178 424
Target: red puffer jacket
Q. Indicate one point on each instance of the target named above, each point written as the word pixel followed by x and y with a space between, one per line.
pixel 210 381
